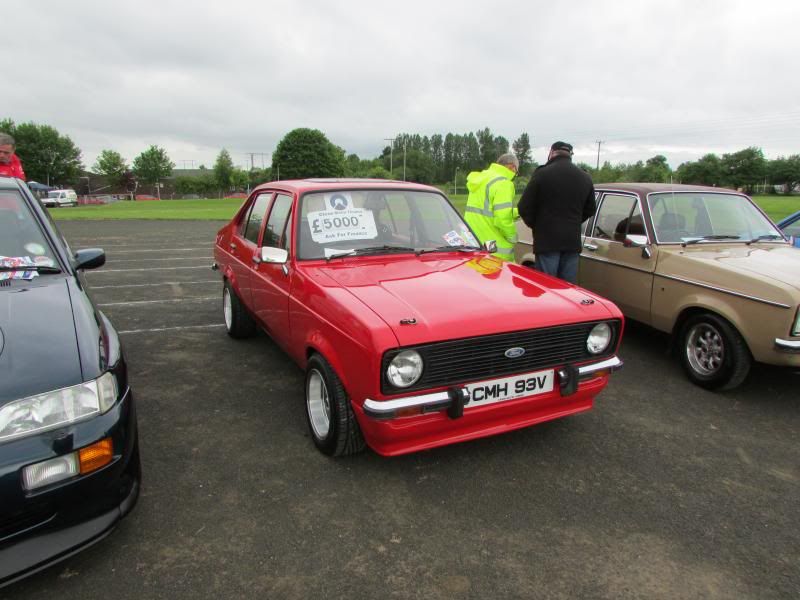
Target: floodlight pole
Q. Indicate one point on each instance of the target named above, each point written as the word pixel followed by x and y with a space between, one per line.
pixel 599 142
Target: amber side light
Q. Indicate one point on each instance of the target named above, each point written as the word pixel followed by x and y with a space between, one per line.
pixel 95 456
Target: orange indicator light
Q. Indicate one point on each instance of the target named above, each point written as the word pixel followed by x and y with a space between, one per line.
pixel 95 456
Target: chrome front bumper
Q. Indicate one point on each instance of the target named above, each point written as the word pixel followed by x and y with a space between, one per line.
pixel 388 409
pixel 787 345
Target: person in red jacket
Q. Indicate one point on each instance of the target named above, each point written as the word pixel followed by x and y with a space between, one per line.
pixel 9 162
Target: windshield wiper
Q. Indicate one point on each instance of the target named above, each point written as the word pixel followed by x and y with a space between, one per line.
pixel 710 237
pixel 38 268
pixel 461 248
pixel 766 236
pixel 371 250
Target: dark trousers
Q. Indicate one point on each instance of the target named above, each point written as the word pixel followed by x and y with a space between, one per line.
pixel 563 265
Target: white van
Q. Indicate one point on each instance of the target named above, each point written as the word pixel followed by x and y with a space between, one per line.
pixel 61 198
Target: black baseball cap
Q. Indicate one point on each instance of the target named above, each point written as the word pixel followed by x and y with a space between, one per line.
pixel 562 146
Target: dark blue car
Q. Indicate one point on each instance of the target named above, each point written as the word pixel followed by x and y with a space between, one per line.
pixel 69 453
pixel 791 227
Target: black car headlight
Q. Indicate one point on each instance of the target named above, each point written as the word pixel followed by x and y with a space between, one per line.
pixel 405 369
pixel 599 338
pixel 796 328
pixel 51 410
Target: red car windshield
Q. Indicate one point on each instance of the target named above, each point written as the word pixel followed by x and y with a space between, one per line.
pixel 337 222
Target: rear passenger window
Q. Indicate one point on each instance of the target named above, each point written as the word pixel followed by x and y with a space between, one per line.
pixel 257 214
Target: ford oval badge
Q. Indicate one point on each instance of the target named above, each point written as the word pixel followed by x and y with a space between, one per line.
pixel 514 352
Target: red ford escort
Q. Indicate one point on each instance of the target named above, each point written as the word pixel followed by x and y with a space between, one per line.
pixel 411 335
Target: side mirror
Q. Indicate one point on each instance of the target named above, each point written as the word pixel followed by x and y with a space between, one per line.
pixel 90 258
pixel 490 246
pixel 274 255
pixel 635 241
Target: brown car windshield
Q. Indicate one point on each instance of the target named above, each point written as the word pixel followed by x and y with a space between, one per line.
pixel 693 217
pixel 345 222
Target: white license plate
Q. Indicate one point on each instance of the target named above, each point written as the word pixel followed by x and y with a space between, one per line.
pixel 509 388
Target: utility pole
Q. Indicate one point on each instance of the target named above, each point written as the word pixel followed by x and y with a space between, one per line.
pixel 391 152
pixel 598 153
pixel 252 161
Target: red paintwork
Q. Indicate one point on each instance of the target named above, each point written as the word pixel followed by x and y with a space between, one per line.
pixel 349 310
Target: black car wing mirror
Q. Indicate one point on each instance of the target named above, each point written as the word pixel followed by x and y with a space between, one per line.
pixel 89 258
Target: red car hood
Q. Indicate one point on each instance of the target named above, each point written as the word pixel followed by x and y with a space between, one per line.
pixel 463 297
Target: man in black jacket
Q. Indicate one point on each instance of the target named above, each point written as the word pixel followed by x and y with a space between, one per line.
pixel 559 197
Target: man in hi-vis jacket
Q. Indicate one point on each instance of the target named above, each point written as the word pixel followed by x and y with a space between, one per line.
pixel 490 211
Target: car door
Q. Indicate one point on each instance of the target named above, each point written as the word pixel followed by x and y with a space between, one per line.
pixel 244 243
pixel 271 282
pixel 612 267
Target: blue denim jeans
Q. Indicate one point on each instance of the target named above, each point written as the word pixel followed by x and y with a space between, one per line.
pixel 563 265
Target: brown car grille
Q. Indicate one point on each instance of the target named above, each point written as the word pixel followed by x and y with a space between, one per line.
pixel 472 359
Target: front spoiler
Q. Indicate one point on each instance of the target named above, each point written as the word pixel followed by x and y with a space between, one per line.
pixel 457 397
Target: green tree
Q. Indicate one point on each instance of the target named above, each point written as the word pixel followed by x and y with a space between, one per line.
pixel 706 171
pixel 111 164
pixel 522 150
pixel 239 180
pixel 307 153
pixel 656 170
pixel 785 172
pixel 223 171
pixel 46 155
pixel 744 169
pixel 152 165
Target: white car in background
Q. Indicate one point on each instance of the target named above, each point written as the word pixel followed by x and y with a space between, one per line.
pixel 60 198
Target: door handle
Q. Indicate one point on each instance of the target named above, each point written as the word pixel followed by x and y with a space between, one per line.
pixel 591 247
pixel 232 246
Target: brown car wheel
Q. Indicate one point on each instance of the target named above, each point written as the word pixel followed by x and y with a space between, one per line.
pixel 331 421
pixel 713 353
pixel 238 321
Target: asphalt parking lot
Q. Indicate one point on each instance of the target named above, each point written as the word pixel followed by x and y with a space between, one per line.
pixel 662 491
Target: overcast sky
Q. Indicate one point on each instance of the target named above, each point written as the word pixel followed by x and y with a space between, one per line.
pixel 679 78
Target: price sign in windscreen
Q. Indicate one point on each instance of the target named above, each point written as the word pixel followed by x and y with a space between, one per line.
pixel 341 221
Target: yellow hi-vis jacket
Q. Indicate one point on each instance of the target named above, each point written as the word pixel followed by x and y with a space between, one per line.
pixel 490 210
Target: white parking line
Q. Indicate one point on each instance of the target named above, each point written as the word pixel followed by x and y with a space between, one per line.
pixel 171 328
pixel 129 285
pixel 160 301
pixel 128 260
pixel 151 249
pixel 101 271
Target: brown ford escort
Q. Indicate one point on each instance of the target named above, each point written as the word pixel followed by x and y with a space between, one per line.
pixel 703 264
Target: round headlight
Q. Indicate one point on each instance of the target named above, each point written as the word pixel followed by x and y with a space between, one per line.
pixel 405 369
pixel 599 338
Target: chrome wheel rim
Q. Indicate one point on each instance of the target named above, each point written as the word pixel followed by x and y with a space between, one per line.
pixel 319 405
pixel 227 309
pixel 705 349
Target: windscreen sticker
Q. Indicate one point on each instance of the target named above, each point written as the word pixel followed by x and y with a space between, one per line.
pixel 35 249
pixel 453 238
pixel 44 261
pixel 17 261
pixel 467 235
pixel 345 223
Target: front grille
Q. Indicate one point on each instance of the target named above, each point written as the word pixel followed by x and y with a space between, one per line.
pixel 472 359
pixel 24 519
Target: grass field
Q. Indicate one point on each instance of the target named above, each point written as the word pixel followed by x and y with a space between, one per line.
pixel 776 207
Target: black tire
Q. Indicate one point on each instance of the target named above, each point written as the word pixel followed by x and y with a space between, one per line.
pixel 329 415
pixel 238 321
pixel 712 353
